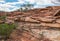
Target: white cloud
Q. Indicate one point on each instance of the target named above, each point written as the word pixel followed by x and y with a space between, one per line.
pixel 39 3
pixel 31 1
pixel 43 2
pixel 21 1
pixel 2 1
pixel 6 7
pixel 56 1
pixel 13 3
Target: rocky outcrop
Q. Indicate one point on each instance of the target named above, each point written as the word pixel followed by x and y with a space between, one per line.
pixel 36 25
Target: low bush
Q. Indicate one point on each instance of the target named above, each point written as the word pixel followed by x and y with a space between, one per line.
pixel 6 29
pixel 2 17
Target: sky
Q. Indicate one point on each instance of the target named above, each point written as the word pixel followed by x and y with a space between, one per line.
pixel 11 5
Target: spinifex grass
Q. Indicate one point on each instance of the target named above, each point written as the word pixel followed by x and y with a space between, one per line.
pixel 2 17
pixel 6 29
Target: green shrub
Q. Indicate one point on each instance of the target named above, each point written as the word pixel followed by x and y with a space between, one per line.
pixel 2 17
pixel 6 29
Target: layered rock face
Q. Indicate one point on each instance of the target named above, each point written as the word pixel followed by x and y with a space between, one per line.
pixel 36 25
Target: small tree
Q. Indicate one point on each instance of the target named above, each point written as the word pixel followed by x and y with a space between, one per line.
pixel 26 7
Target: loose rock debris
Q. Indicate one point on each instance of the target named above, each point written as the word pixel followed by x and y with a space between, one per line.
pixel 34 25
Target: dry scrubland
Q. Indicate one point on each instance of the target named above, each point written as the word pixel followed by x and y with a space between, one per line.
pixel 32 25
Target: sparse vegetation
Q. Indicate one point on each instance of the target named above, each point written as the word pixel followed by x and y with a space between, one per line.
pixel 6 29
pixel 2 17
pixel 26 7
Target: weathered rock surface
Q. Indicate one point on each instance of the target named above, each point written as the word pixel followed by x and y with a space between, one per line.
pixel 36 25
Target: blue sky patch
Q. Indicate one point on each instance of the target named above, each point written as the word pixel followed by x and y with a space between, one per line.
pixel 11 5
pixel 11 0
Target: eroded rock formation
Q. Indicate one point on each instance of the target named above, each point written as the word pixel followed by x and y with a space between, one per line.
pixel 36 25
